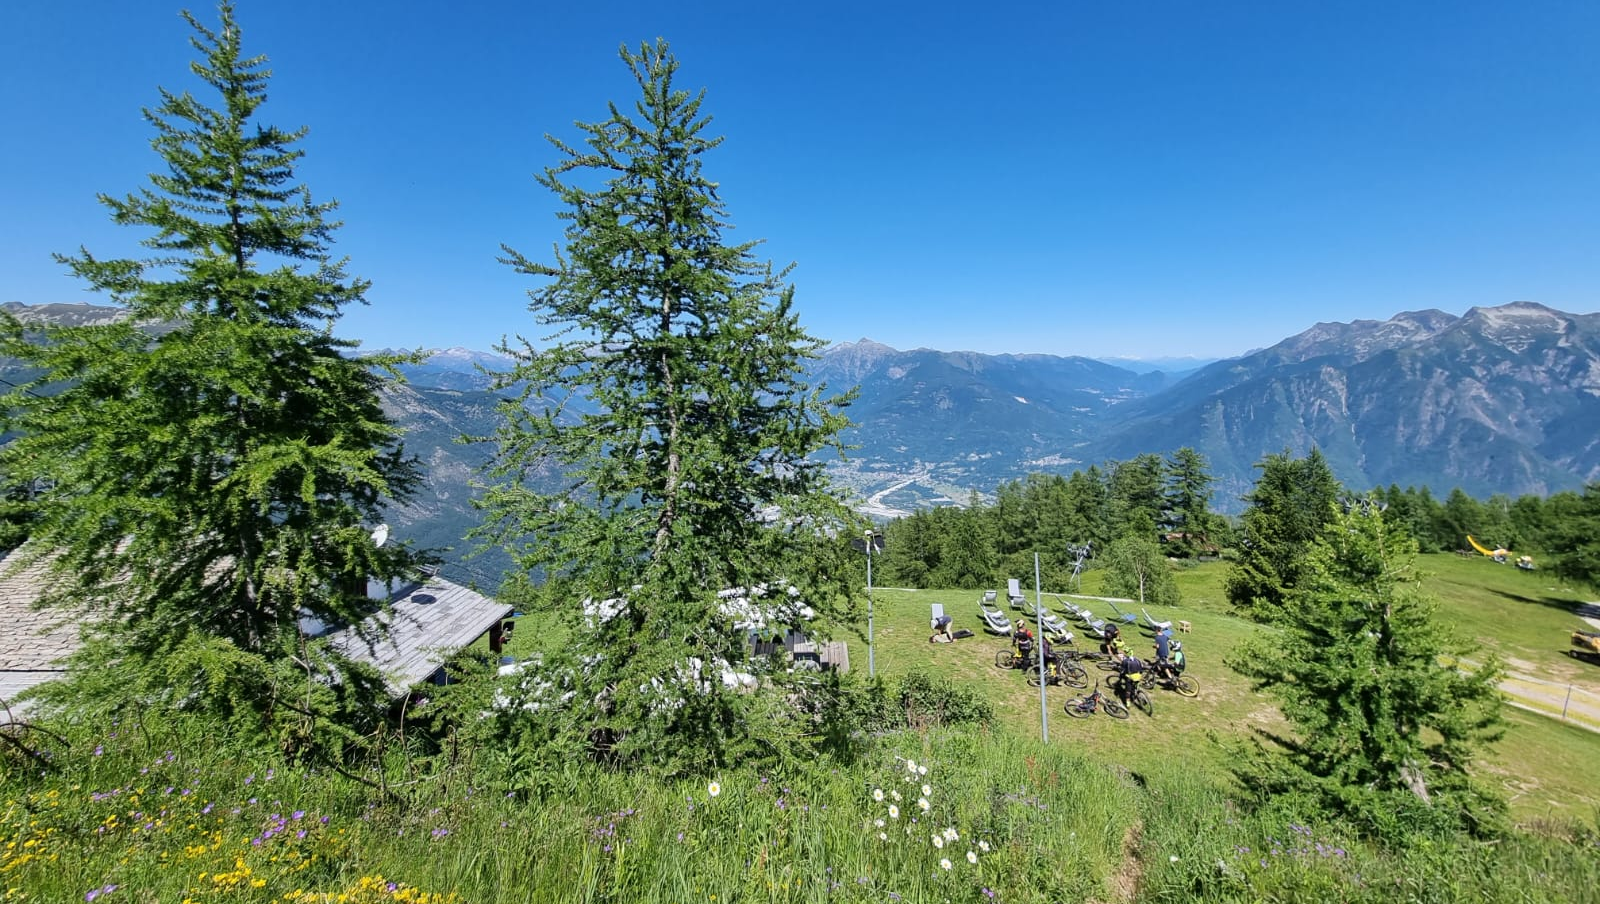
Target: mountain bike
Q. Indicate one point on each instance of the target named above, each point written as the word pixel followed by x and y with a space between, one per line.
pixel 1163 674
pixel 1012 658
pixel 1086 706
pixel 1058 670
pixel 1133 691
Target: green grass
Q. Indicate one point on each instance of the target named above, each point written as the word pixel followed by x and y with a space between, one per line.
pixel 1547 769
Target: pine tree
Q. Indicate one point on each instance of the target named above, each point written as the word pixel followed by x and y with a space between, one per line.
pixel 1388 708
pixel 670 395
pixel 1188 500
pixel 211 465
pixel 1291 502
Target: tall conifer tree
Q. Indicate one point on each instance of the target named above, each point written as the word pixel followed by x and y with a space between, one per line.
pixel 1389 708
pixel 213 464
pixel 670 395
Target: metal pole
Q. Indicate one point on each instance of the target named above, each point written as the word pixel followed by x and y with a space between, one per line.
pixel 872 669
pixel 1038 612
pixel 1566 704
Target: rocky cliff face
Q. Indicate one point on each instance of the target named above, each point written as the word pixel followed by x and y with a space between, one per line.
pixel 1501 399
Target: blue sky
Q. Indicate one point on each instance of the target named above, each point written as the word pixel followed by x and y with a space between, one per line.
pixel 1140 179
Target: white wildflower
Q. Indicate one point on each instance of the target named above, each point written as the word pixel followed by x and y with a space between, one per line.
pixel 713 789
pixel 983 846
pixel 878 823
pixel 944 863
pixel 894 812
pixel 950 835
pixel 972 857
pixel 938 842
pixel 927 790
pixel 923 803
pixel 877 794
pixel 922 770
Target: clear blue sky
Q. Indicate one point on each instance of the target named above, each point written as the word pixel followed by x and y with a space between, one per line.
pixel 1160 178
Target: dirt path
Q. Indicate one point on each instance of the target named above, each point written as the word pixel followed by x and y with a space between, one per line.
pixel 1124 884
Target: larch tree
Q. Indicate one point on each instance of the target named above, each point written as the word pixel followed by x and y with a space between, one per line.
pixel 1388 708
pixel 1291 502
pixel 210 468
pixel 669 397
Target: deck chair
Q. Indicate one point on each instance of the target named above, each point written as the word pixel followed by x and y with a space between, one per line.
pixel 1028 609
pixel 1057 625
pixel 1126 618
pixel 994 621
pixel 1014 593
pixel 936 612
pixel 1096 629
pixel 1153 625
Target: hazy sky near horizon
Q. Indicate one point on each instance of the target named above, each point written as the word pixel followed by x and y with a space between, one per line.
pixel 1156 179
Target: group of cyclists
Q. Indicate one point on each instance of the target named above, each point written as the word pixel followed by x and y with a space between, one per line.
pixel 1168 661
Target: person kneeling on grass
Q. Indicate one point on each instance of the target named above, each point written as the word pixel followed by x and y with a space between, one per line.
pixel 941 630
pixel 1130 671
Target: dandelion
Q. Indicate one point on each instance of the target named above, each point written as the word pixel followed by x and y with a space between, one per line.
pixel 714 789
pixel 972 857
pixel 944 863
pixel 938 842
pixel 877 794
pixel 894 812
pixel 983 846
pixel 923 803
pixel 927 790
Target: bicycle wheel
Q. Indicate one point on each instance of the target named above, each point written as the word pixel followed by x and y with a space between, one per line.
pixel 1113 709
pixel 1033 675
pixel 1003 659
pixel 1107 665
pixel 1186 686
pixel 1074 675
pixel 1077 708
pixel 1141 700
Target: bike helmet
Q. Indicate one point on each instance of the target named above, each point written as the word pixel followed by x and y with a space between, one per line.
pixel 1177 644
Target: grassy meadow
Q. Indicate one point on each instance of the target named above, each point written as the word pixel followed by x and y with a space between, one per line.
pixel 1105 811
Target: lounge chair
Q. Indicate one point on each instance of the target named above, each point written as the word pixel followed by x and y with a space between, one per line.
pixel 1096 629
pixel 1028 609
pixel 1055 624
pixel 1153 625
pixel 1127 618
pixel 994 621
pixel 936 612
pixel 1014 593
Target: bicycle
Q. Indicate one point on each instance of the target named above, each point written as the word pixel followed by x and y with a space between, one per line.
pixel 1086 706
pixel 1012 658
pixel 1162 674
pixel 1058 670
pixel 1132 690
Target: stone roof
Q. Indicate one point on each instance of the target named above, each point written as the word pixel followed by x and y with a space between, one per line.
pixel 423 626
pixel 31 640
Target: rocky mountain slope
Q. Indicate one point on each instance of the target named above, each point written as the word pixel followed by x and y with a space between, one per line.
pixel 1502 399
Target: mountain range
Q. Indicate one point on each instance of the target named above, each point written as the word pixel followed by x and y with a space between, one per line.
pixel 1498 400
